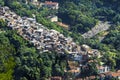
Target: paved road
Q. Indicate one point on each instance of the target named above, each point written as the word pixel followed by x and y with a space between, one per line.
pixel 101 26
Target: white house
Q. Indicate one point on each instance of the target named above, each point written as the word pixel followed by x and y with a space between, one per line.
pixel 51 5
pixel 103 69
pixel 53 18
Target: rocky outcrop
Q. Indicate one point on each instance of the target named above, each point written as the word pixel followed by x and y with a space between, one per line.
pixel 101 26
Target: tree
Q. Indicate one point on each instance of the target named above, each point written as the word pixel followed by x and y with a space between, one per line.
pixel 109 59
pixel 2 3
pixel 7 62
pixel 2 23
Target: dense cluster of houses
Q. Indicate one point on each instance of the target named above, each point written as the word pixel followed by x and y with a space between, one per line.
pixel 47 4
pixel 49 40
pixel 52 6
pixel 104 76
pixel 37 34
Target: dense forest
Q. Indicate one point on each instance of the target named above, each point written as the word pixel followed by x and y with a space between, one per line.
pixel 82 15
pixel 20 60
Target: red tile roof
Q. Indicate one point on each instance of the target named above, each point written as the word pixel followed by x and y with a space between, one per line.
pixel 56 78
pixel 114 74
pixel 50 3
pixel 92 77
pixel 63 25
